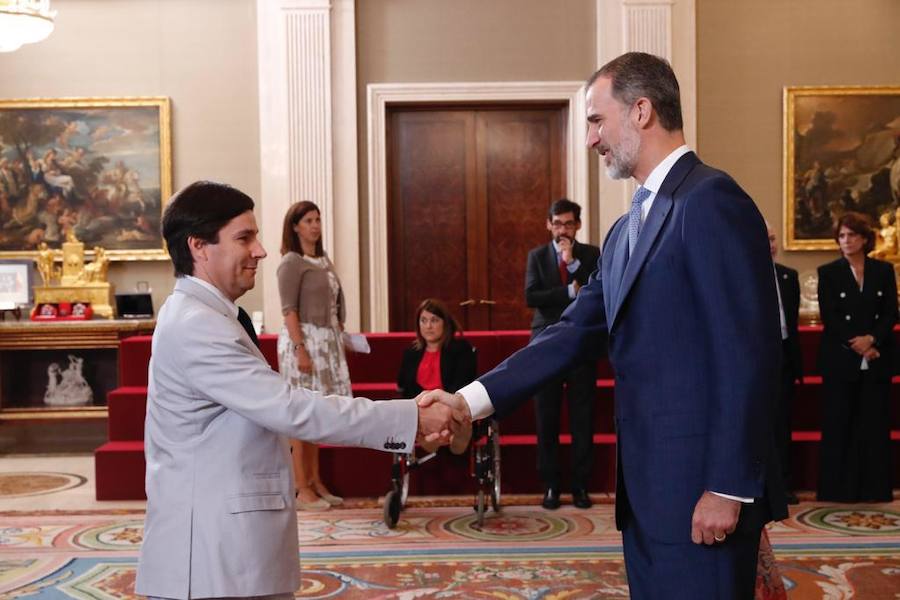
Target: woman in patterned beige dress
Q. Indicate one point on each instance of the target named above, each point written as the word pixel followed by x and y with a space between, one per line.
pixel 310 349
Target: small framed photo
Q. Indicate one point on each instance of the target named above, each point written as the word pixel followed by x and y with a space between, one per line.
pixel 16 280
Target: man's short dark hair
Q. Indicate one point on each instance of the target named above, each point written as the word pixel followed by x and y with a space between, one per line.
pixel 200 210
pixel 637 75
pixel 562 206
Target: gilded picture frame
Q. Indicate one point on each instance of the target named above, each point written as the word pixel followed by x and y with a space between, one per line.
pixel 841 153
pixel 100 166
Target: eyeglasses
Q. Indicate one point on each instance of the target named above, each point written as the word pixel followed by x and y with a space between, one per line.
pixel 563 224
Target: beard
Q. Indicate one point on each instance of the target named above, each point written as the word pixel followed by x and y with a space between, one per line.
pixel 623 159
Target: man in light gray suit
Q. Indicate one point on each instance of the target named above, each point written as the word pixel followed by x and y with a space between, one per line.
pixel 220 520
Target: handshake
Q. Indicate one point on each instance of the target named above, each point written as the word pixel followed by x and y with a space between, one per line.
pixel 444 418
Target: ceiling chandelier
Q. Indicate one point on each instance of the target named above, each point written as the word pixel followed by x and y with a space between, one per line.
pixel 24 22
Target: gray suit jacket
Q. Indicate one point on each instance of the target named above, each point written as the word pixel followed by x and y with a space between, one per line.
pixel 220 487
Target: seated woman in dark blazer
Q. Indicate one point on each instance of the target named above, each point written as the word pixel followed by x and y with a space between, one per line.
pixel 438 359
pixel 858 305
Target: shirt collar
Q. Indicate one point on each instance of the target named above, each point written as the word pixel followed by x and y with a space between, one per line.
pixel 232 307
pixel 659 173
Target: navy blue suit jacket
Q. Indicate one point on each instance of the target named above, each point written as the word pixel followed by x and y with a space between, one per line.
pixel 692 327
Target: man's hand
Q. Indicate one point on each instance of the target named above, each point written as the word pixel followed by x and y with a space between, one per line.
pixel 861 343
pixel 461 427
pixel 871 354
pixel 454 401
pixel 565 249
pixel 440 422
pixel 714 518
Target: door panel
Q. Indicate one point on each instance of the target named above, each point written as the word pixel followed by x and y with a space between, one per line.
pixel 469 190
pixel 521 167
pixel 431 178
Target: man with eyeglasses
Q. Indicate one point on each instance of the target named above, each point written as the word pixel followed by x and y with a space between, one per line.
pixel 555 273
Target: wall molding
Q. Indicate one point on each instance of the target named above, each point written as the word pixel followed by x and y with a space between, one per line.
pixel 307 63
pixel 662 27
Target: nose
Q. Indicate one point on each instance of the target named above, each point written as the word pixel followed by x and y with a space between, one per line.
pixel 593 135
pixel 258 251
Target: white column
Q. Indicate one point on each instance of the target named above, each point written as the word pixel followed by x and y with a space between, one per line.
pixel 661 27
pixel 307 74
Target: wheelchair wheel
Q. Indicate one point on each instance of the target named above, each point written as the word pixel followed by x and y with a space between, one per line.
pixel 479 508
pixel 495 464
pixel 400 475
pixel 404 489
pixel 392 509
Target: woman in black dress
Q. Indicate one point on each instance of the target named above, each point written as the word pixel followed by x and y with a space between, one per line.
pixel 438 359
pixel 858 304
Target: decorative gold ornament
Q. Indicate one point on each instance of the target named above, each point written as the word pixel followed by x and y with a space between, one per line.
pixel 77 281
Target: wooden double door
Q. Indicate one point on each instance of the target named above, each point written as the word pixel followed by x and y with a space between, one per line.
pixel 469 188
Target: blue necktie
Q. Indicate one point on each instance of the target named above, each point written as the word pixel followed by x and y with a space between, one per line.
pixel 634 217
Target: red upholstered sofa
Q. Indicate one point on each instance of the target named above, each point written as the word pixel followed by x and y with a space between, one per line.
pixel 357 472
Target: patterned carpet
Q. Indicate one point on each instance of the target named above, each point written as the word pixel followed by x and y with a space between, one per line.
pixel 437 552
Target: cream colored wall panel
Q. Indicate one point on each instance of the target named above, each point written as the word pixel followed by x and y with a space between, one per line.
pixel 661 27
pixel 307 66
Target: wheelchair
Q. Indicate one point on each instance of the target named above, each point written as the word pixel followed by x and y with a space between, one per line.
pixel 484 466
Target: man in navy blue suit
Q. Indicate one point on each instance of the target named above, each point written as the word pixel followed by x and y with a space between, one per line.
pixel 685 300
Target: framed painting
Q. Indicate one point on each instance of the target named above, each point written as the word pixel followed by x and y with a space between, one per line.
pixel 99 166
pixel 841 153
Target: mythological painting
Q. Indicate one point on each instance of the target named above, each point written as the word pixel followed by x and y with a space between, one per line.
pixel 99 167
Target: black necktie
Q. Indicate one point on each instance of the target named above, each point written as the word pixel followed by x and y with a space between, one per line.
pixel 247 324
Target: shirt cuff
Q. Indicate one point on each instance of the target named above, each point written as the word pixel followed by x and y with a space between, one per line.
pixel 477 398
pixel 735 498
pixel 571 288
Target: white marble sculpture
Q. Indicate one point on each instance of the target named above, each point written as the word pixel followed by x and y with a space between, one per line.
pixel 67 388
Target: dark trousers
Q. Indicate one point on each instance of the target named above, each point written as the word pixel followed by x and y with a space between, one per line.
pixel 782 425
pixel 855 457
pixel 665 571
pixel 581 393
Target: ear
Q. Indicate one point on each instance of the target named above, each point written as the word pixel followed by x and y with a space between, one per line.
pixel 643 110
pixel 549 226
pixel 197 248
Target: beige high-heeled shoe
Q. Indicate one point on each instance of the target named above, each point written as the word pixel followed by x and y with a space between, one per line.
pixel 317 504
pixel 330 498
pixel 320 504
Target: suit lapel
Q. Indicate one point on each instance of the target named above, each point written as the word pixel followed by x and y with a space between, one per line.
pixel 659 212
pixel 551 264
pixel 613 283
pixel 850 278
pixel 191 288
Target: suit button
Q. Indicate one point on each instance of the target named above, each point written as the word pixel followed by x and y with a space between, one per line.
pixel 879 292
pixel 843 295
pixel 847 317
